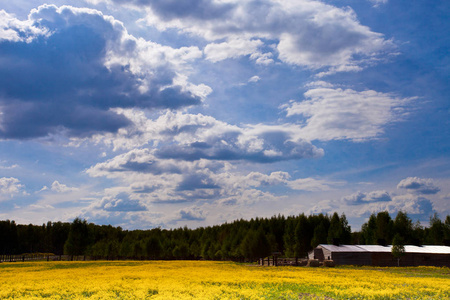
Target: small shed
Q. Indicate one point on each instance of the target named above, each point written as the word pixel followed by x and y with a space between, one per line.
pixel 375 255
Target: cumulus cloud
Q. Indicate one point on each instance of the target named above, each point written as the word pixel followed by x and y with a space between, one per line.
pixel 191 214
pixel 14 30
pixel 418 185
pixel 365 198
pixel 324 207
pixel 193 137
pixel 66 69
pixel 231 49
pixel 167 180
pixel 137 160
pixel 119 203
pixel 415 206
pixel 62 188
pixel 335 113
pixel 305 33
pixel 10 186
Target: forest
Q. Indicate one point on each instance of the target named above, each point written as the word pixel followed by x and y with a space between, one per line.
pixel 292 236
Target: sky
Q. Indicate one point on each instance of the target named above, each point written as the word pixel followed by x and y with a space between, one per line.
pixel 164 113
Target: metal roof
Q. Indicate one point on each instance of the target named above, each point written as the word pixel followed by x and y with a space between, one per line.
pixel 342 248
pixel 376 248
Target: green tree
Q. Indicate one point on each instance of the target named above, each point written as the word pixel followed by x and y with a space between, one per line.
pixel 369 231
pixel 320 235
pixel 78 238
pixel 289 237
pixel 384 228
pixel 255 245
pixel 398 248
pixel 436 231
pixel 403 226
pixel 447 231
pixel 302 237
pixel 153 247
pixel 339 230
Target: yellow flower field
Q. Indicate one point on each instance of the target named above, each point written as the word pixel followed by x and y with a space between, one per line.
pixel 216 280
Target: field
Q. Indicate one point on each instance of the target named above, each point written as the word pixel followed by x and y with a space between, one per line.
pixel 216 280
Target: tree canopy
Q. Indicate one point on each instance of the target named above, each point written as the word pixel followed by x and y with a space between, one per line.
pixel 293 236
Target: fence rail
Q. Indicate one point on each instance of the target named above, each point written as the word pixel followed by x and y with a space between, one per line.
pixel 277 261
pixel 42 257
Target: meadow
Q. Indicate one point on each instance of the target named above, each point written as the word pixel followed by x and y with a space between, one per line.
pixel 215 280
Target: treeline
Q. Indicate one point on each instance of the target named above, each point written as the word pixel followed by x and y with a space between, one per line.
pixel 240 240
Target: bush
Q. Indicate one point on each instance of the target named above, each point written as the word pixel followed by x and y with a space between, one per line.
pixel 329 263
pixel 313 263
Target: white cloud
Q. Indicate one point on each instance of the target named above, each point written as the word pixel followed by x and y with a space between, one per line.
pixel 61 188
pixel 306 33
pixel 254 79
pixel 413 205
pixel 14 30
pixel 419 185
pixel 118 203
pixel 335 113
pixel 323 207
pixel 377 3
pixel 193 137
pixel 9 187
pixel 231 49
pixel 154 179
pixel 311 184
pixel 8 167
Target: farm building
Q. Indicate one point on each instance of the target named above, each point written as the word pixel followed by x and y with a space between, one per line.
pixel 375 255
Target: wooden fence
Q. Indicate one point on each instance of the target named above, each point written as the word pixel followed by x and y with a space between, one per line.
pixel 42 257
pixel 277 261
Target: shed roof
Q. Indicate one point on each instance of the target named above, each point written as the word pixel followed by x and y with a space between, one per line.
pixel 342 248
pixel 377 249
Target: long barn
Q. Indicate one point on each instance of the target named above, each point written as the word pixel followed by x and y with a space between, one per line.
pixel 375 255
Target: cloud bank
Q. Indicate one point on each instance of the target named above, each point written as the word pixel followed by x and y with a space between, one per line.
pixel 65 69
pixel 306 33
pixel 424 186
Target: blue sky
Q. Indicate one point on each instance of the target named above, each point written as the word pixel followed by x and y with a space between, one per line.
pixel 167 113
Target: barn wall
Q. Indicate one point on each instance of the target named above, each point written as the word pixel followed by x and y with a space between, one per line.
pixel 382 259
pixel 352 258
pixel 319 254
pixel 411 259
pixel 419 259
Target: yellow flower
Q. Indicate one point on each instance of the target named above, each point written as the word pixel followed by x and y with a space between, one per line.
pixel 215 280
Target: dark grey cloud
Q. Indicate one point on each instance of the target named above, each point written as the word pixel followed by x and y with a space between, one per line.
pixel 191 214
pixel 138 160
pixel 276 146
pixel 172 9
pixel 365 198
pixel 419 185
pixel 193 137
pixel 58 79
pixel 195 181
